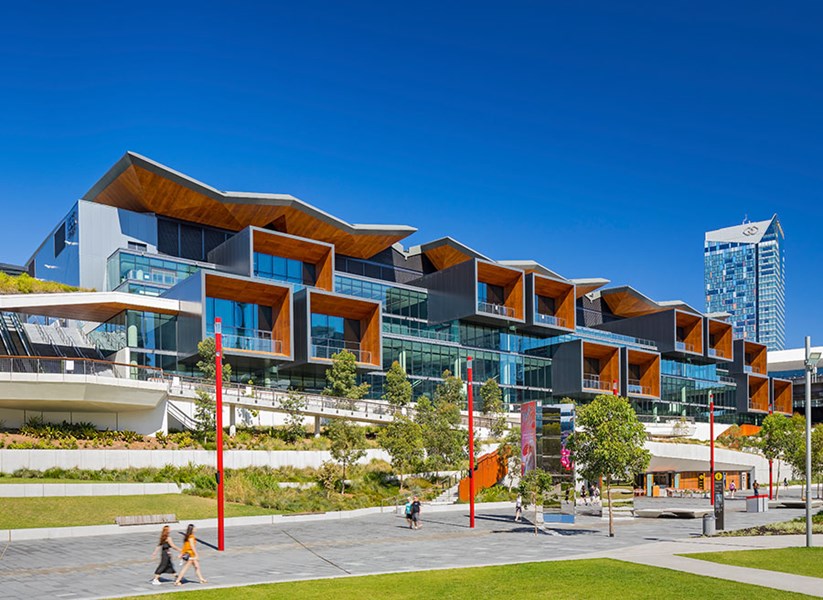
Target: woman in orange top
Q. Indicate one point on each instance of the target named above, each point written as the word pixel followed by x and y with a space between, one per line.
pixel 189 556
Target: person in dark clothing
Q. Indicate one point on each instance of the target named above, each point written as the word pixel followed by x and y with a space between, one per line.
pixel 415 513
pixel 164 546
pixel 756 488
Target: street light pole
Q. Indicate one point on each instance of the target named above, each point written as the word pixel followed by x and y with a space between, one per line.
pixel 471 441
pixel 811 364
pixel 218 386
pixel 711 444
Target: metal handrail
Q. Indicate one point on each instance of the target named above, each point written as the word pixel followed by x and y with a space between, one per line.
pixel 328 347
pixel 549 319
pixel 68 366
pixel 635 387
pixel 495 309
pixel 684 347
pixel 593 382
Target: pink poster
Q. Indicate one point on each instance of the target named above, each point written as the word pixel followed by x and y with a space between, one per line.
pixel 528 436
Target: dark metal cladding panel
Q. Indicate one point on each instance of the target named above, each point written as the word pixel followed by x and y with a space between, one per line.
pixel 191 326
pixel 567 369
pixel 658 327
pixel 452 292
pixel 235 254
pixel 301 326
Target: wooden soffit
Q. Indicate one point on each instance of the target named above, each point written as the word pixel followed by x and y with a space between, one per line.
pixel 141 185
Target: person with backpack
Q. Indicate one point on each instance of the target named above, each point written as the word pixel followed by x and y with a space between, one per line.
pixel 408 512
pixel 415 513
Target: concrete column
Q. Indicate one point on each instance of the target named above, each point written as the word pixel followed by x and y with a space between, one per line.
pixel 232 420
pixel 316 426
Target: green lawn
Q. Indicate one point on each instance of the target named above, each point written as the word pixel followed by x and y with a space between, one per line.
pixel 799 561
pixel 19 513
pixel 586 579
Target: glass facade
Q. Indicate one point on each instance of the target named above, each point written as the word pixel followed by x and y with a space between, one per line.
pixel 140 273
pixel 746 279
pixel 284 269
pixel 245 326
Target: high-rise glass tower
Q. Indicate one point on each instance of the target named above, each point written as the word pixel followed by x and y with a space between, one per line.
pixel 745 277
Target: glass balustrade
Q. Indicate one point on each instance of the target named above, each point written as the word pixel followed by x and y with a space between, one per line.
pixel 328 347
pixel 495 309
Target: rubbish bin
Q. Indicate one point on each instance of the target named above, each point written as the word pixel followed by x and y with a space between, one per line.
pixel 708 524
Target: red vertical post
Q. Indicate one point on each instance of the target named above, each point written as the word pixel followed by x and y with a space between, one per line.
pixel 471 440
pixel 614 387
pixel 218 387
pixel 771 479
pixel 711 445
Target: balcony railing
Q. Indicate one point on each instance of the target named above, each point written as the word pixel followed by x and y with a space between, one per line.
pixel 635 387
pixel 328 347
pixel 77 366
pixel 549 320
pixel 249 340
pixel 752 369
pixel 592 382
pixel 684 346
pixel 496 309
pixel 713 352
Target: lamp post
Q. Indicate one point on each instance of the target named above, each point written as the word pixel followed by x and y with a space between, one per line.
pixel 711 445
pixel 771 470
pixel 471 440
pixel 812 358
pixel 218 387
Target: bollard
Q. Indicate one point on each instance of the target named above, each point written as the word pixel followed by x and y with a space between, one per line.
pixel 708 525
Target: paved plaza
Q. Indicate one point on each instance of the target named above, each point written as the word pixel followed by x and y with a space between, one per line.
pixel 107 566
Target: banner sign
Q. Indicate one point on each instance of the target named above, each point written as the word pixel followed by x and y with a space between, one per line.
pixel 528 437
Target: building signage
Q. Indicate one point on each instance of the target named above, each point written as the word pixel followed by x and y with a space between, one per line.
pixel 528 436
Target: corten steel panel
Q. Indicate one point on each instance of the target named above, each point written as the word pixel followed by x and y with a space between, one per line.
pixel 319 254
pixel 563 293
pixel 367 312
pixel 781 394
pixel 234 255
pixel 749 354
pixel 140 185
pixel 567 369
pixel 278 297
pixel 609 357
pixel 723 347
pixel 649 363
pixel 758 393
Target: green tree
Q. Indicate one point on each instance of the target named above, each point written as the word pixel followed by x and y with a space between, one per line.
pixel 779 439
pixel 327 476
pixel 204 403
pixel 293 404
pixel 493 407
pixel 348 441
pixel 403 440
pixel 341 378
pixel 398 388
pixel 609 443
pixel 533 488
pixel 439 419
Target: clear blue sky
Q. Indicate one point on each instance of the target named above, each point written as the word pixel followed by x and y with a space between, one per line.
pixel 600 138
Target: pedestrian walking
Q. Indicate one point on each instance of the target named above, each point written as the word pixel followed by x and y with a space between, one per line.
pixel 756 488
pixel 415 513
pixel 583 494
pixel 732 488
pixel 409 512
pixel 518 508
pixel 190 557
pixel 785 483
pixel 164 546
pixel 596 495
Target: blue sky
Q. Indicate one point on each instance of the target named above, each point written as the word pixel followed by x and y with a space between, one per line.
pixel 601 139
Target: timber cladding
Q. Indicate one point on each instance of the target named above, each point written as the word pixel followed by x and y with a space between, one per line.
pixel 321 255
pixel 563 295
pixel 367 312
pixel 691 326
pixel 608 360
pixel 758 393
pixel 511 280
pixel 782 400
pixel 719 337
pixel 278 297
pixel 648 364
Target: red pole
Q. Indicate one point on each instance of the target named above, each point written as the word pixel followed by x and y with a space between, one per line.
pixel 614 387
pixel 218 386
pixel 471 441
pixel 771 497
pixel 711 445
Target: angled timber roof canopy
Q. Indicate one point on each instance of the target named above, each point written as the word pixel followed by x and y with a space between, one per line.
pixel 96 307
pixel 588 285
pixel 626 301
pixel 446 252
pixel 140 184
pixel 532 266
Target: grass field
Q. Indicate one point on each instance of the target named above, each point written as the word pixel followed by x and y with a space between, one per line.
pixel 799 561
pixel 585 579
pixel 18 513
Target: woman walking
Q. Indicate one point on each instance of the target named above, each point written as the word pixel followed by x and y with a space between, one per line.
pixel 164 546
pixel 189 556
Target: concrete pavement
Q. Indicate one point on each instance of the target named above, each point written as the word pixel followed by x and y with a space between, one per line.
pixel 108 566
